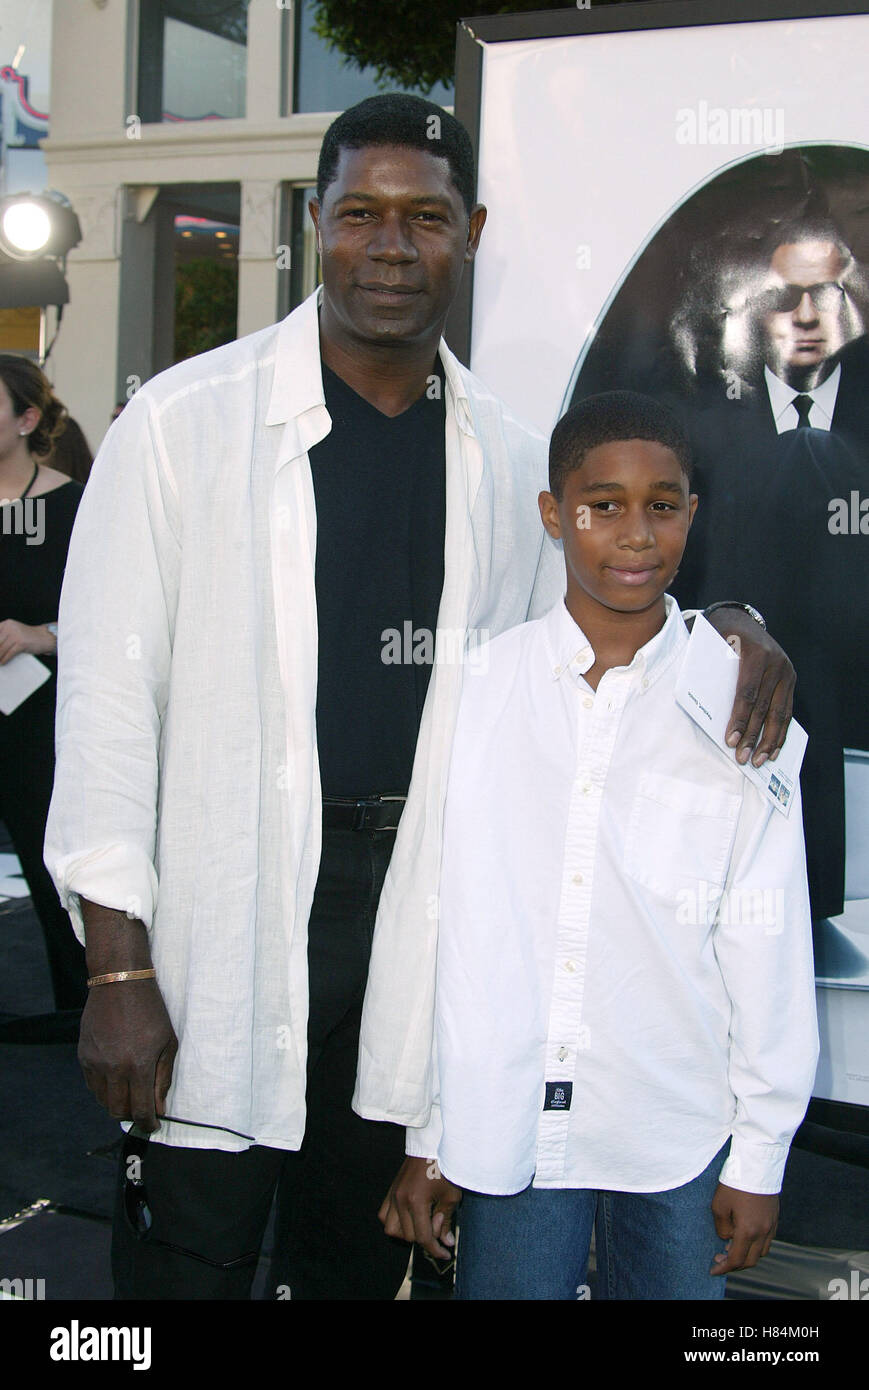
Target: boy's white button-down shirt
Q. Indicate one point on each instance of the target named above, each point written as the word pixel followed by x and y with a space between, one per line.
pixel 187 790
pixel 625 969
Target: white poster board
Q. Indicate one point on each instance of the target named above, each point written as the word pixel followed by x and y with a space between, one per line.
pixel 588 143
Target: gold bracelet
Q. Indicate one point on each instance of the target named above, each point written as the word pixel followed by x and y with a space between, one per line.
pixel 121 975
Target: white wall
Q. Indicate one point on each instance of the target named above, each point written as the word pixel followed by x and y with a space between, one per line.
pixel 93 162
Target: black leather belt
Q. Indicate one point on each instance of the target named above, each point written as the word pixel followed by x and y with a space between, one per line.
pixel 371 813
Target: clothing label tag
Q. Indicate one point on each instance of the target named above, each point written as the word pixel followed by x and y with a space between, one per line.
pixel 705 689
pixel 558 1095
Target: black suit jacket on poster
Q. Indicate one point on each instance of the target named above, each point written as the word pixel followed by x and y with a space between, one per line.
pixel 762 535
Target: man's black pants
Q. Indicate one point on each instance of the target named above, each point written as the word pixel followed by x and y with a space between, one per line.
pixel 329 1243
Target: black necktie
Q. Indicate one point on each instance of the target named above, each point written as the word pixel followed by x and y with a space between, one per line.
pixel 803 405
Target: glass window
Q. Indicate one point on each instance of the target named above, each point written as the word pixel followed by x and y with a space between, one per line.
pixel 192 59
pixel 324 81
pixel 206 284
pixel 299 274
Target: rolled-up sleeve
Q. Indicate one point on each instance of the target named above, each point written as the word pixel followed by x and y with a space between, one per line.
pixel 115 630
pixel 763 943
pixel 423 1141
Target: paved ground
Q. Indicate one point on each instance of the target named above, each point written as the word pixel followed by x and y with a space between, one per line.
pixel 57 1145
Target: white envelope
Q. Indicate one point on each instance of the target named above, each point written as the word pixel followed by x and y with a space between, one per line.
pixel 18 680
pixel 706 688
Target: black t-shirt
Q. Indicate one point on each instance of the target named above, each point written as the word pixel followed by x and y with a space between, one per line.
pixel 380 493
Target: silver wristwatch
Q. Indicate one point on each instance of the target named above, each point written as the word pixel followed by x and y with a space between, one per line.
pixel 731 603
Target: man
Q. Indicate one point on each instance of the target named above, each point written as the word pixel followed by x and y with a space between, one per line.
pixel 815 347
pixel 233 725
pixel 773 457
pixel 803 306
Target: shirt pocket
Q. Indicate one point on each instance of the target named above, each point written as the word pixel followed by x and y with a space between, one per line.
pixel 680 834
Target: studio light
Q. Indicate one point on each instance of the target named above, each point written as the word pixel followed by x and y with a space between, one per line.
pixel 26 228
pixel 36 232
pixel 36 225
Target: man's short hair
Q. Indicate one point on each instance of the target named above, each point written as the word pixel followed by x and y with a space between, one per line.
pixel 607 418
pixel 814 227
pixel 396 119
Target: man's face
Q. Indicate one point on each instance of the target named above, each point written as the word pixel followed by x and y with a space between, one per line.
pixel 393 237
pixel 624 519
pixel 804 323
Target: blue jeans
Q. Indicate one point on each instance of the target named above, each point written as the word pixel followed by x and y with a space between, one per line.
pixel 649 1245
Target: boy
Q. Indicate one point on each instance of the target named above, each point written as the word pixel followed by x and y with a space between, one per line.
pixel 614 1012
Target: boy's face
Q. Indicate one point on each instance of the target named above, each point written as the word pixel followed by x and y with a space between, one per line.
pixel 624 519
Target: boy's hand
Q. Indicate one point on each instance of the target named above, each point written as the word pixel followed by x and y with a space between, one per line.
pixel 419 1207
pixel 764 691
pixel 747 1221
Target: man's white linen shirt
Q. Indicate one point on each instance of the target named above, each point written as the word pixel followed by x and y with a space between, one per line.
pixel 187 791
pixel 625 933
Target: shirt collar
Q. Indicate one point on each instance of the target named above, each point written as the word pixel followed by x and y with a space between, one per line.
pixel 824 396
pixel 454 374
pixel 569 651
pixel 297 386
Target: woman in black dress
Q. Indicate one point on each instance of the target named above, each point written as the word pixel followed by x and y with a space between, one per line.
pixel 34 538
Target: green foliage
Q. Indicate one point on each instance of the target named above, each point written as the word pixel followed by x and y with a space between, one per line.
pixel 206 306
pixel 410 43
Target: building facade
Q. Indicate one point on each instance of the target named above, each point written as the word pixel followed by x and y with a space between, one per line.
pixel 179 130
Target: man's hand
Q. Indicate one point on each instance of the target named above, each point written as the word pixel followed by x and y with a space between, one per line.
pixel 419 1207
pixel 127 1048
pixel 19 637
pixel 747 1221
pixel 764 691
pixel 127 1044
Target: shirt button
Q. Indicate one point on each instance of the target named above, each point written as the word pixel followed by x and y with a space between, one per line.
pixel 577 878
pixel 588 702
pixel 645 683
pixel 586 788
pixel 562 1053
pixel 556 670
pixel 569 966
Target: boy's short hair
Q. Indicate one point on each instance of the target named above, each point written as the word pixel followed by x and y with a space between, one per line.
pixel 605 419
pixel 397 119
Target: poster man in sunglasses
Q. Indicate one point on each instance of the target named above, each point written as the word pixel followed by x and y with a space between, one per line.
pixel 782 450
pixel 804 329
